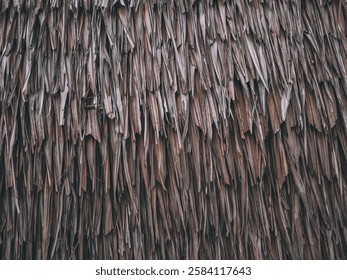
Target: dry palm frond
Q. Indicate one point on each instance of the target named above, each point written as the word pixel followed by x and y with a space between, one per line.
pixel 173 129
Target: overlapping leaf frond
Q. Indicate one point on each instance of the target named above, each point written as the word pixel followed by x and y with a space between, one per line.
pixel 173 129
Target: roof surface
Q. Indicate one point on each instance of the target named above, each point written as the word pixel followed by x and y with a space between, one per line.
pixel 173 129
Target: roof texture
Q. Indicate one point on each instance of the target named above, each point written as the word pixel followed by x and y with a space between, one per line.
pixel 173 129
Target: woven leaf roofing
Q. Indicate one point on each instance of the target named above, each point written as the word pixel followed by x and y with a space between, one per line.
pixel 173 129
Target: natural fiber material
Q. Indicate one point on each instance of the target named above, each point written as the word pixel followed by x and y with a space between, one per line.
pixel 173 129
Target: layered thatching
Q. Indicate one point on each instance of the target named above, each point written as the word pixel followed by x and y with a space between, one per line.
pixel 173 129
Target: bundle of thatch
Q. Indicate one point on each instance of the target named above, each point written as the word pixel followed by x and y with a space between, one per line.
pixel 173 129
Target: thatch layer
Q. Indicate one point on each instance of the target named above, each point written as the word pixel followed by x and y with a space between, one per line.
pixel 173 129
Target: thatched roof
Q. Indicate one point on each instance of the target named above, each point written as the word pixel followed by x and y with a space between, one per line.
pixel 173 129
